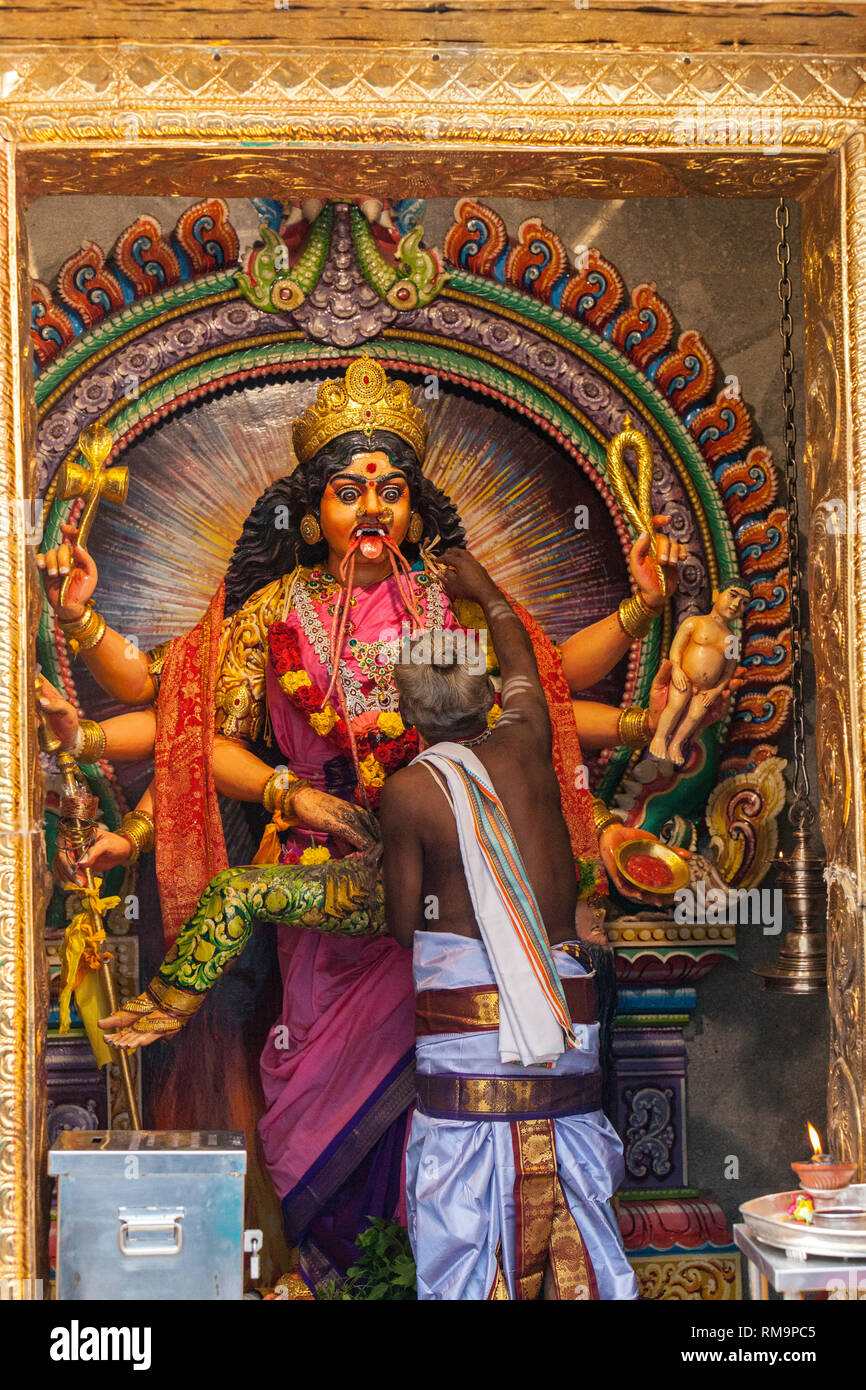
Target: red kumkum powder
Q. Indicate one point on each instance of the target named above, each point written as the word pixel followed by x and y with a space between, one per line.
pixel 651 872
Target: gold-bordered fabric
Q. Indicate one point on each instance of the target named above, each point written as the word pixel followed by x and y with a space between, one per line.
pixel 169 997
pixel 460 1097
pixel 550 1257
pixel 475 1009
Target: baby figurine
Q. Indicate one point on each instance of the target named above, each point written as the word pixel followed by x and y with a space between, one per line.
pixel 702 667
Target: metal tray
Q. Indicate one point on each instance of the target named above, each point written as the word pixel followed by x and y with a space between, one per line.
pixel 839 1229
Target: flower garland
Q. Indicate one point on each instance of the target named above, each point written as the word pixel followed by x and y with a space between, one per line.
pixel 389 745
pixel 386 747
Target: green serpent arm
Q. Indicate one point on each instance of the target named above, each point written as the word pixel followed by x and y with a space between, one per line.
pixel 343 897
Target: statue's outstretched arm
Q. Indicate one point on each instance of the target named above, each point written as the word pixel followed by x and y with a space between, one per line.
pixel 598 725
pixel 116 663
pixel 342 897
pixel 588 655
pixel 120 668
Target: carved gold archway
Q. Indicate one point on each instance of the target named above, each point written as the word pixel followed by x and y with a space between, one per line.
pixel 100 117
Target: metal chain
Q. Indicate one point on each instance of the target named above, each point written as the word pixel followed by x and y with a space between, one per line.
pixel 801 811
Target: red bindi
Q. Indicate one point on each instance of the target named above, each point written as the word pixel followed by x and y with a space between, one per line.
pixel 371 467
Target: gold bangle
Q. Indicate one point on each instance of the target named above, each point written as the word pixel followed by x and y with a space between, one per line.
pixel 299 784
pixel 141 1004
pixel 72 626
pixel 156 1025
pixel 601 815
pixel 632 730
pixel 138 828
pixel 91 740
pixel 635 618
pixel 274 784
pixel 178 1003
pixel 83 633
pixel 280 789
pixel 93 635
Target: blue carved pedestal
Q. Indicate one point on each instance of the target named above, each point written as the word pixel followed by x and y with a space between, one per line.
pixel 677 1238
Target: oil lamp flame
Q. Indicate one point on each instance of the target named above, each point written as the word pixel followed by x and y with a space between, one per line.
pixel 823 1175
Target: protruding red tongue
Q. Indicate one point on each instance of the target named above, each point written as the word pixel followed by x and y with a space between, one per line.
pixel 371 547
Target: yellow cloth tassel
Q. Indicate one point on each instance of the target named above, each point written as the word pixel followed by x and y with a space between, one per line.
pixel 82 958
pixel 91 1000
pixel 268 851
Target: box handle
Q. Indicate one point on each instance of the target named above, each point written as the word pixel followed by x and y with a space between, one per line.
pixel 132 1222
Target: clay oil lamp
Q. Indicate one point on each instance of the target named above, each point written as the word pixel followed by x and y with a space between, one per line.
pixel 651 866
pixel 823 1175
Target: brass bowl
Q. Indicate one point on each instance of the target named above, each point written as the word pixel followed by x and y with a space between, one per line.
pixel 656 850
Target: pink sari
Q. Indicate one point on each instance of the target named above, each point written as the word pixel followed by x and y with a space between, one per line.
pixel 338 1066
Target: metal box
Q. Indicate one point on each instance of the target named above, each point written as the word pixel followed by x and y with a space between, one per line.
pixel 149 1215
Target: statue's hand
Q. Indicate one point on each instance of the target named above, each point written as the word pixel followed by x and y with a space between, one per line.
pixel 718 708
pixel 120 1033
pixel 642 564
pixel 320 811
pixel 60 716
pixel 56 564
pixel 659 691
pixel 679 677
pixel 107 851
pixel 463 576
pixel 609 841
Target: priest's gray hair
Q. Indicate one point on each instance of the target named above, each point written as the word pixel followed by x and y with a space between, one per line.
pixel 443 700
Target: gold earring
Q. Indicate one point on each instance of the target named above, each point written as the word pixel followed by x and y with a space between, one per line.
pixel 416 527
pixel 311 531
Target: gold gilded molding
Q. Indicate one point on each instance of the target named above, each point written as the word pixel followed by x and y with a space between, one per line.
pixel 327 162
pixel 680 25
pixel 640 931
pixel 496 115
pixel 493 90
pixel 834 282
pixel 709 1278
pixel 23 980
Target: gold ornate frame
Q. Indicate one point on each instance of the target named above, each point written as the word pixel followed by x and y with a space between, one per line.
pixel 271 118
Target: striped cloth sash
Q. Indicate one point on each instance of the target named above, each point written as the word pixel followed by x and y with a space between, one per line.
pixel 534 1023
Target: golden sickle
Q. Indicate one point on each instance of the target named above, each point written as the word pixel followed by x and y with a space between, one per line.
pixel 50 743
pixel 638 510
pixel 91 481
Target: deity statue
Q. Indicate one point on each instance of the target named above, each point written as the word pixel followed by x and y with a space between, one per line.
pixel 283 697
pixel 702 666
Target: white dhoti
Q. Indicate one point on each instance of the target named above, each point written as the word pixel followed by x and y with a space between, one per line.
pixel 510 1168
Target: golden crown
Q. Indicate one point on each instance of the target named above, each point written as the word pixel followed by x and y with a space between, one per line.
pixel 364 400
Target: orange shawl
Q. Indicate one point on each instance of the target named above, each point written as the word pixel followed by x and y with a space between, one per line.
pixel 190 845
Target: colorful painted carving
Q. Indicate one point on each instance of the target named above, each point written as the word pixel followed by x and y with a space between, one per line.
pixel 563 346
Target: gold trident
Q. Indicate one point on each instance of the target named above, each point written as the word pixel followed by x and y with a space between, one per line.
pixel 92 481
pixel 638 510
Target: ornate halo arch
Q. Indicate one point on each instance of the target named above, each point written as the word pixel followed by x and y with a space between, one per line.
pixel 513 323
